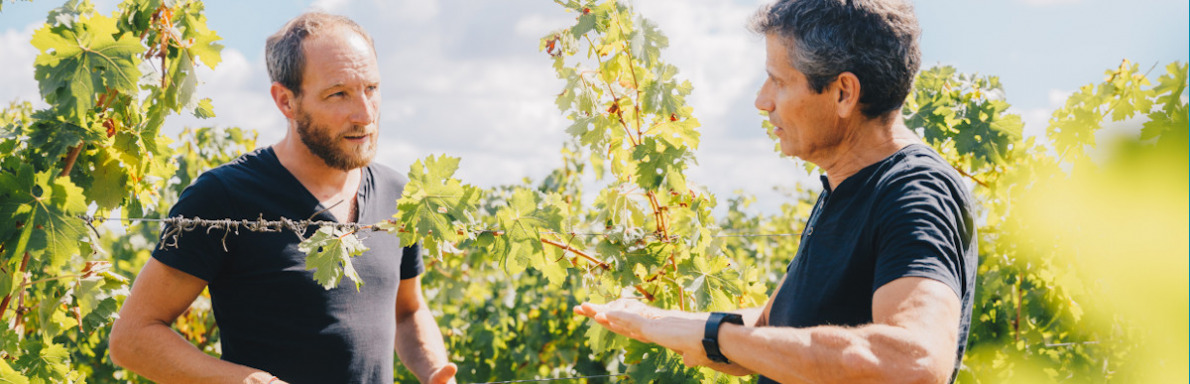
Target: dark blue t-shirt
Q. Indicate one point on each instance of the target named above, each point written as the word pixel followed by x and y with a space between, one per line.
pixel 909 215
pixel 271 313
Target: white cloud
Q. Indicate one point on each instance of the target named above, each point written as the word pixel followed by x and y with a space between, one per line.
pixel 1043 3
pixel 239 91
pixel 329 5
pixel 17 62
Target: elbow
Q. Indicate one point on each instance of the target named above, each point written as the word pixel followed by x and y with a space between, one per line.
pixel 926 369
pixel 118 344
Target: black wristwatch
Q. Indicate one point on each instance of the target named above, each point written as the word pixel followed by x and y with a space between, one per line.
pixel 710 337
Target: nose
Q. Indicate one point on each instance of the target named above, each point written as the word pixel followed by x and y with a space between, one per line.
pixel 764 100
pixel 364 109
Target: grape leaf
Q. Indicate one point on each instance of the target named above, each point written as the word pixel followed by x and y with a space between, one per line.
pixel 659 163
pixel 433 202
pixel 647 42
pixel 51 205
pixel 85 59
pixel 329 252
pixel 11 376
pixel 45 360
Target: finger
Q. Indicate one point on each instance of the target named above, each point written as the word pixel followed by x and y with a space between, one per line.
pixel 629 323
pixel 689 361
pixel 591 309
pixel 444 374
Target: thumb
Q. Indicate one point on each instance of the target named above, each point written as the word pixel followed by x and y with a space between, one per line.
pixel 444 374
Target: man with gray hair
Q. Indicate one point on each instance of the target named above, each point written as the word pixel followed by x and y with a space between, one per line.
pixel 277 324
pixel 881 288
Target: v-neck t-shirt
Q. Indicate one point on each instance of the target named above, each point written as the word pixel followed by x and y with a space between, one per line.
pixel 272 314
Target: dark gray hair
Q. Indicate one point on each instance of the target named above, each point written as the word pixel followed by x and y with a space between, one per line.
pixel 874 39
pixel 283 50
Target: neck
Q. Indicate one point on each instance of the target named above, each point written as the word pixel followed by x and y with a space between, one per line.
pixel 323 181
pixel 865 143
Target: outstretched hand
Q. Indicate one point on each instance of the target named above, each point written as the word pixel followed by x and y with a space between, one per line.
pixel 678 331
pixel 444 375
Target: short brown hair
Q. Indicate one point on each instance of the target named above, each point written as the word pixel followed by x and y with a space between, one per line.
pixel 283 50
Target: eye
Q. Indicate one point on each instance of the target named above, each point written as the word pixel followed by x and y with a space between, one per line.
pixel 337 94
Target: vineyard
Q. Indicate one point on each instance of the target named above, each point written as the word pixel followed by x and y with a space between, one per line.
pixel 1083 244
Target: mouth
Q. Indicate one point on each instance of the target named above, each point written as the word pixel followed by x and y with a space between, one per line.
pixel 357 137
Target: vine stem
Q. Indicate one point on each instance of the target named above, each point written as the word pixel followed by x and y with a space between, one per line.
pixel 970 176
pixel 648 296
pixel 577 252
pixel 1016 323
pixel 8 297
pixel 619 116
pixel 632 71
pixel 662 228
pixel 70 159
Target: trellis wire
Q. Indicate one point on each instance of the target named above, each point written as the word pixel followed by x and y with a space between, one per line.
pixel 553 379
pixel 179 224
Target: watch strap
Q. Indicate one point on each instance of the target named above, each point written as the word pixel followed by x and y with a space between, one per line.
pixel 710 337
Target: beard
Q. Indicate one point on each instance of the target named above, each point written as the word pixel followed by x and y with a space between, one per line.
pixel 322 143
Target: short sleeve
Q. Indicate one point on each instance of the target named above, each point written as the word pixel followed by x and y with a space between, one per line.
pixel 411 263
pixel 197 252
pixel 923 229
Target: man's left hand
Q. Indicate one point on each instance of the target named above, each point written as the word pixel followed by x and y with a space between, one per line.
pixel 444 375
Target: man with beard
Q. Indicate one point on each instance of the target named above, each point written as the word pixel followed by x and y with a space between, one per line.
pixel 881 288
pixel 277 324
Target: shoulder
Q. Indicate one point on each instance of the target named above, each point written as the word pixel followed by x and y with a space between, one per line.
pixel 385 176
pixel 386 181
pixel 918 166
pixel 219 183
pixel 919 180
pixel 249 165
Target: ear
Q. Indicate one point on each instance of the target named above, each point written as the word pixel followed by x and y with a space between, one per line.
pixel 848 90
pixel 285 99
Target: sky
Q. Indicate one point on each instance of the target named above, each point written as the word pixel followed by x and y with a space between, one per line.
pixel 465 78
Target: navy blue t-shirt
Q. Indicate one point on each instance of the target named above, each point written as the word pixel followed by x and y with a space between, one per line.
pixel 271 313
pixel 909 215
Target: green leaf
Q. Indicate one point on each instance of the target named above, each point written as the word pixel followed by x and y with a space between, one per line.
pixel 109 181
pixel 586 23
pixel 329 252
pixel 658 163
pixel 45 360
pixel 80 61
pixel 204 110
pixel 11 376
pixel 647 42
pixel 52 206
pixel 53 137
pixel 680 133
pixel 664 96
pixel 714 284
pixel 193 23
pixel 434 204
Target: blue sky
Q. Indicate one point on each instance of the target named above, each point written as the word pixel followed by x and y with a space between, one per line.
pixel 464 77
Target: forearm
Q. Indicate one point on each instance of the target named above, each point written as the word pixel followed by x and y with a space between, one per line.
pixel 419 344
pixel 751 315
pixel 828 354
pixel 156 352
